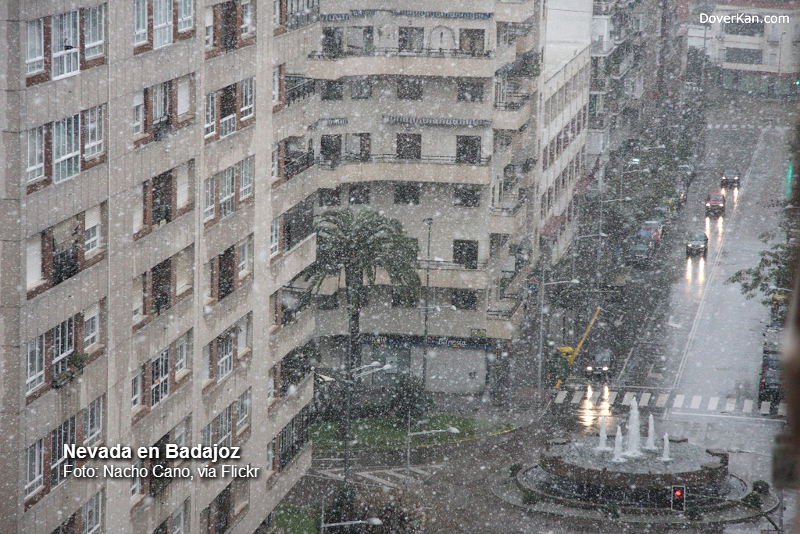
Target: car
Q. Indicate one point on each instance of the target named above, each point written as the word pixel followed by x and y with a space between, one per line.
pixel 656 229
pixel 640 249
pixel 730 178
pixel 687 173
pixel 769 388
pixel 599 364
pixel 696 243
pixel 715 204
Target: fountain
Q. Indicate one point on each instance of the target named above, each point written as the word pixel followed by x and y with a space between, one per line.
pixel 634 437
pixel 603 444
pixel 651 435
pixel 665 457
pixel 618 447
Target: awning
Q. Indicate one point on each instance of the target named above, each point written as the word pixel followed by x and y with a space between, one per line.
pixel 552 226
pixel 432 121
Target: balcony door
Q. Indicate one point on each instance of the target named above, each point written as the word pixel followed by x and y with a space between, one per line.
pixel 468 149
pixel 330 148
pixel 471 41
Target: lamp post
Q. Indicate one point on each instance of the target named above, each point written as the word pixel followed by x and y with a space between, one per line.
pixel 541 333
pixel 450 430
pixel 372 521
pixel 428 221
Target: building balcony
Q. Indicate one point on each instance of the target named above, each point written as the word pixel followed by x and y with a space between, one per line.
pixel 393 168
pixel 299 108
pixel 502 322
pixel 416 62
pixel 294 188
pixel 508 217
pixel 514 11
pixel 293 334
pixel 599 85
pixel 513 112
pixel 293 261
pixel 603 47
pixel 451 274
pixel 619 70
pixel 284 408
pixel 598 122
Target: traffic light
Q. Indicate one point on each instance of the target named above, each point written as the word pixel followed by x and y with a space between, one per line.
pixel 678 498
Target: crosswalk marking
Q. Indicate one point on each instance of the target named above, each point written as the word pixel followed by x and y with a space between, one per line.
pixel 627 399
pixel 662 400
pixel 645 399
pixel 782 408
pixel 748 406
pixel 576 398
pixel 561 396
pixel 712 403
pixel 730 405
pixel 765 406
pixel 594 397
pixel 612 396
pixel 678 401
pixel 696 402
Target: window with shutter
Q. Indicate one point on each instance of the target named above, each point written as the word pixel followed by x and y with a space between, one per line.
pixel 183 273
pixel 138 208
pixel 182 181
pixel 92 228
pixel 34 260
pixel 184 96
pixel 137 296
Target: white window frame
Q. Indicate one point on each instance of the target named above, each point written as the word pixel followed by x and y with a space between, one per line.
pixel 92 513
pixel 248 98
pixel 63 345
pixel 35 167
pixel 209 27
pixel 275 237
pixel 227 192
pixel 91 238
pixel 136 481
pixel 225 427
pixel 65 433
pixel 34 55
pixel 162 23
pixel 243 410
pixel 34 467
pixel 210 204
pixel 138 112
pixel 34 363
pixel 136 388
pixel 276 84
pixel 210 114
pixel 139 21
pixel 247 17
pixel 245 257
pixel 161 102
pixel 94 32
pixel 180 353
pixel 93 422
pixel 276 12
pixel 159 371
pixel 179 520
pixel 65 33
pixel 246 177
pixel 185 15
pixel 91 330
pixel 180 433
pixel 206 435
pixel 93 144
pixel 224 357
pixel 274 164
pixel 66 148
pixel 271 385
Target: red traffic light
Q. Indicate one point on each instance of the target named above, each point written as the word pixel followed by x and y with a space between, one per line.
pixel 678 493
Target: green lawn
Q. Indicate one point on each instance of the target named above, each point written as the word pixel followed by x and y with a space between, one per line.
pixel 390 433
pixel 296 519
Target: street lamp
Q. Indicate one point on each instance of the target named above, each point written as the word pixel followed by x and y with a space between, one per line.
pixel 541 332
pixel 449 430
pixel 372 521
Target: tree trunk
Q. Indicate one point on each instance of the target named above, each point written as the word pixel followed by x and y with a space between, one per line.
pixel 354 280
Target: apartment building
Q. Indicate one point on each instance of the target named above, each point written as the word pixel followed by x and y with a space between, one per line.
pixel 750 45
pixel 136 214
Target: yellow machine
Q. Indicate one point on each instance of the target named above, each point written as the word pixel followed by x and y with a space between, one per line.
pixel 568 352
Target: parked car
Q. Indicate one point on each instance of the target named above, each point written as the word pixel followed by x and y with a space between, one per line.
pixel 696 243
pixel 640 249
pixel 730 178
pixel 656 229
pixel 769 388
pixel 599 365
pixel 715 204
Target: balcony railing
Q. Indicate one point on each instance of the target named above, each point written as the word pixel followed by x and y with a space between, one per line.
pixel 332 163
pixel 298 164
pixel 298 20
pixel 302 88
pixel 623 67
pixel 513 101
pixel 452 265
pixel 507 209
pixel 403 52
pixel 503 313
pixel 227 125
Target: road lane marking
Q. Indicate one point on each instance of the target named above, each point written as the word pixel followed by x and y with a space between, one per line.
pixel 381 481
pixel 730 405
pixel 782 408
pixel 644 400
pixel 748 406
pixel 627 399
pixel 696 402
pixel 594 397
pixel 712 403
pixel 561 396
pixel 612 396
pixel 765 406
pixel 678 402
pixel 576 398
pixel 662 400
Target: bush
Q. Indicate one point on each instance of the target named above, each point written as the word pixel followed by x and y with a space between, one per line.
pixel 753 500
pixel 693 513
pixel 408 394
pixel 761 487
pixel 529 497
pixel 515 468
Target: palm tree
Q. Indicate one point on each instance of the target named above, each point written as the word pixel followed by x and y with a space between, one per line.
pixel 360 243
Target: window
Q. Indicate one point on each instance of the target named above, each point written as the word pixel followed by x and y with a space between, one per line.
pixel 243 333
pixel 34 58
pixel 185 14
pixel 467 197
pixel 274 161
pixel 159 389
pixel 209 24
pixel 271 385
pixel 468 149
pixel 180 354
pixel 180 434
pixel 64 434
pixel 406 194
pixel 465 299
pixel 138 112
pixel 161 101
pixel 65 42
pixel 243 415
pixel 359 194
pixel 33 260
pixel 211 115
pixel 91 515
pixel 136 388
pixel 248 97
pixel 139 21
pixel 274 237
pixel 245 257
pixel 94 31
pixel 361 88
pixel 136 481
pixel 409 146
pixel 93 422
pixel 66 148
pixel 35 167
pixel 247 16
pixel 329 197
pixel 409 88
pixel 162 23
pixel 179 521
pixel 35 364
pixel 331 90
pixel 225 427
pixel 465 253
pixel 227 191
pixel 63 345
pixel 91 224
pixel 470 91
pixel 246 175
pixel 91 326
pixel 93 124
pixel 410 39
pixel 224 357
pixel 208 212
pixel 205 436
pixel 184 96
pixel 34 463
pixel 276 84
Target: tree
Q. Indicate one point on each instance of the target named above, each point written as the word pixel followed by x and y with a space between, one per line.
pixel 774 272
pixel 360 243
pixel 408 395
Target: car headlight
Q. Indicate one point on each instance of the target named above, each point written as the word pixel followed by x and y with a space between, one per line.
pixel 605 368
pixel 708 204
pixel 589 368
